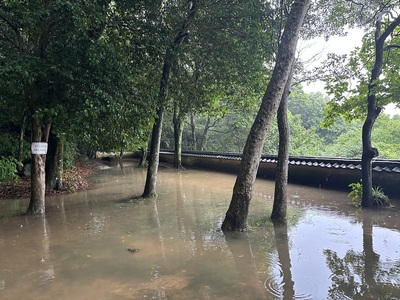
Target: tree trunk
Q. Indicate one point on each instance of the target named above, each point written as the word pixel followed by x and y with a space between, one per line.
pixel 204 136
pixel 368 152
pixel 143 157
pixel 280 195
pixel 152 170
pixel 178 131
pixel 21 139
pixel 39 134
pixel 236 216
pixel 54 163
pixel 38 185
pixel 193 131
pixel 154 158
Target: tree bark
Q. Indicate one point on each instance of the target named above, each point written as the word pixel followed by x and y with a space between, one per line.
pixel 21 139
pixel 178 131
pixel 33 94
pixel 369 152
pixel 280 195
pixel 152 170
pixel 193 132
pixel 236 216
pixel 154 157
pixel 54 163
pixel 38 184
pixel 143 157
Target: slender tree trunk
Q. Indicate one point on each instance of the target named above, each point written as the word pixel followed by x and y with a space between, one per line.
pixel 193 131
pixel 21 139
pixel 373 112
pixel 368 154
pixel 152 170
pixel 204 137
pixel 55 163
pixel 154 158
pixel 236 216
pixel 143 157
pixel 178 121
pixel 280 196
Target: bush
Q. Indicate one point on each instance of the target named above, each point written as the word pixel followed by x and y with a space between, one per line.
pixel 8 144
pixel 70 153
pixel 379 198
pixel 9 169
pixel 356 193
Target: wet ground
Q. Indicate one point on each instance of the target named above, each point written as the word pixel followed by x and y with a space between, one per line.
pixel 103 244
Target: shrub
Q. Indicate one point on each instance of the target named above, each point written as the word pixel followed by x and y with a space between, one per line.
pixel 379 198
pixel 70 153
pixel 9 146
pixel 9 169
pixel 356 193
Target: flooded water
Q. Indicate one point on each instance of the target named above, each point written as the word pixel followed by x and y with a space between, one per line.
pixel 102 244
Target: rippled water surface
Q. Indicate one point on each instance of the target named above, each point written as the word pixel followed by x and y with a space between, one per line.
pixel 104 244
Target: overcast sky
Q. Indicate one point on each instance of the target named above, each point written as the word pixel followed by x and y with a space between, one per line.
pixel 320 48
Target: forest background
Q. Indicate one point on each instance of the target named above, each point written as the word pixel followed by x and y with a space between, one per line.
pixel 92 71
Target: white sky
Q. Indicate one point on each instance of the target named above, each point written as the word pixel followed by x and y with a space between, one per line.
pixel 341 45
pixel 320 48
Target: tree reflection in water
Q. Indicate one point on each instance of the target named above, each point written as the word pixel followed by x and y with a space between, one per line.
pixel 362 275
pixel 282 245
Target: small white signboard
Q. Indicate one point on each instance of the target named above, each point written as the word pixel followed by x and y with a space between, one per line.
pixel 39 148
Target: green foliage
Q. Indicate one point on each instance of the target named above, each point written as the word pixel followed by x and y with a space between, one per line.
pixel 70 153
pixel 348 144
pixel 356 193
pixel 94 72
pixel 309 107
pixel 379 199
pixel 8 169
pixel 98 76
pixel 228 132
pixel 365 74
pixel 386 137
pixel 8 144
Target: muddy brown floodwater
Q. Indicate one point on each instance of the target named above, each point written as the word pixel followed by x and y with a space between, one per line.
pixel 101 244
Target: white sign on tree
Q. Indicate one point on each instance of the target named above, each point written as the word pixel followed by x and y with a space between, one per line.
pixel 39 148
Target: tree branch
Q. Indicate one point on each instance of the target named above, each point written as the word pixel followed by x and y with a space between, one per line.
pixel 388 31
pixel 388 47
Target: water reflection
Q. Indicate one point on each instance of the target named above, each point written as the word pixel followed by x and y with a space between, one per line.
pixel 328 250
pixel 245 265
pixel 285 287
pixel 48 269
pixel 363 274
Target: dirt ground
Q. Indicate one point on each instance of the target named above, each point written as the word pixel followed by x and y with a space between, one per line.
pixel 75 179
